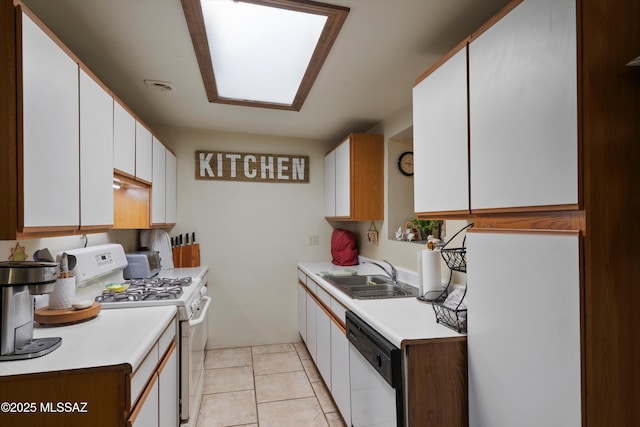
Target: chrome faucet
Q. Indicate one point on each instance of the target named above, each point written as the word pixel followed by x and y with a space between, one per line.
pixel 393 275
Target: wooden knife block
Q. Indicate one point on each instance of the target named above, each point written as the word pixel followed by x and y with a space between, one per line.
pixel 186 256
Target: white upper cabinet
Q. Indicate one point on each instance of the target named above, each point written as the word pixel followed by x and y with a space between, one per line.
pixel 343 179
pixel 158 188
pixel 50 138
pixel 96 154
pixel 144 153
pixel 523 108
pixel 440 138
pixel 171 201
pixel 330 184
pixel 124 140
pixel 354 179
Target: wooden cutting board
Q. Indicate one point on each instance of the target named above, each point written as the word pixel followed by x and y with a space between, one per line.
pixel 44 316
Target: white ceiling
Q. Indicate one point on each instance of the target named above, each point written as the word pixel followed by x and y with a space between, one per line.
pixel 383 46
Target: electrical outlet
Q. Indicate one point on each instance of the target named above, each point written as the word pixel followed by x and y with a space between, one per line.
pixel 314 239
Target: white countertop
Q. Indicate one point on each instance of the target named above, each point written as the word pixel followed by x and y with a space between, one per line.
pixel 400 320
pixel 114 337
pixel 177 273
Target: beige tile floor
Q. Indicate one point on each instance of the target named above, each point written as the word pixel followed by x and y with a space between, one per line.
pixel 265 386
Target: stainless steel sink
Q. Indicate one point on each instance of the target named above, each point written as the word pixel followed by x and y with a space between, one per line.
pixel 372 287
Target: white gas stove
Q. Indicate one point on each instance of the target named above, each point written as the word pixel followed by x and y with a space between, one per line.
pixel 99 266
pixel 186 288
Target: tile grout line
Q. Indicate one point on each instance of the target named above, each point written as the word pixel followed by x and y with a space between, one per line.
pixel 255 391
pixel 313 389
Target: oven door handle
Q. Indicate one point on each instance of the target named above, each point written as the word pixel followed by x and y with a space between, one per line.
pixel 203 313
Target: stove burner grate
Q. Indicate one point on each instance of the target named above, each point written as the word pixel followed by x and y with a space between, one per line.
pixel 154 289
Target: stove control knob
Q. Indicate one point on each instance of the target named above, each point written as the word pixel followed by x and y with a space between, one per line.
pixel 203 291
pixel 195 305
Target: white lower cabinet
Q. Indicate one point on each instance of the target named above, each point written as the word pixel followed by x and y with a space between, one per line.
pixel 340 386
pixel 302 312
pixel 148 414
pixel 158 403
pixel 311 328
pixel 168 390
pixel 524 340
pixel 322 331
pixel 323 345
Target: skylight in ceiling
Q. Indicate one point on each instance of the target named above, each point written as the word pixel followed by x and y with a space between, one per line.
pixel 264 53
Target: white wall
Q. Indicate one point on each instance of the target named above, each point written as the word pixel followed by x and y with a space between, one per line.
pixel 127 238
pixel 251 235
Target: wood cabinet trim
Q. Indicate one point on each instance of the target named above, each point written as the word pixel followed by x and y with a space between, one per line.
pixel 494 19
pixel 425 341
pixel 545 208
pixel 552 220
pixel 464 214
pixel 522 231
pixel 11 157
pixel 437 369
pixel 462 45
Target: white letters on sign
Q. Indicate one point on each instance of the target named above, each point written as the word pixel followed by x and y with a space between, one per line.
pixel 257 167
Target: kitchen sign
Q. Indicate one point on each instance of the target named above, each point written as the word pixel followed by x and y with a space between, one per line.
pixel 258 167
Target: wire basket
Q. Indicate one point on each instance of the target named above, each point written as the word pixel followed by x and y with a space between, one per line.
pixel 456 258
pixel 450 316
pixel 453 318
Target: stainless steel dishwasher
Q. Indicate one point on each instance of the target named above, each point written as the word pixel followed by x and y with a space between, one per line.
pixel 375 367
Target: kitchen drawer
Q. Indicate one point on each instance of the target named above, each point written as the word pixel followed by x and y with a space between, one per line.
pixel 302 277
pixel 338 309
pixel 324 296
pixel 312 286
pixel 167 338
pixel 144 372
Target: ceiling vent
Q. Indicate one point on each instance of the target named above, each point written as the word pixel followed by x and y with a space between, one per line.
pixel 159 86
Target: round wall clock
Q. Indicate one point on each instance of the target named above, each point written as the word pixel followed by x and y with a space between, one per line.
pixel 405 163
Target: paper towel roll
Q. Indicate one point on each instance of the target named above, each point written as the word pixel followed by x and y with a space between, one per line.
pixel 429 276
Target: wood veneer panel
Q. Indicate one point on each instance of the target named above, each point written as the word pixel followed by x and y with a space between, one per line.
pixel 103 389
pixel 8 122
pixel 131 205
pixel 437 383
pixel 609 37
pixel 367 177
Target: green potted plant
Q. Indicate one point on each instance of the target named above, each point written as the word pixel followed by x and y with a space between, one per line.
pixel 428 227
